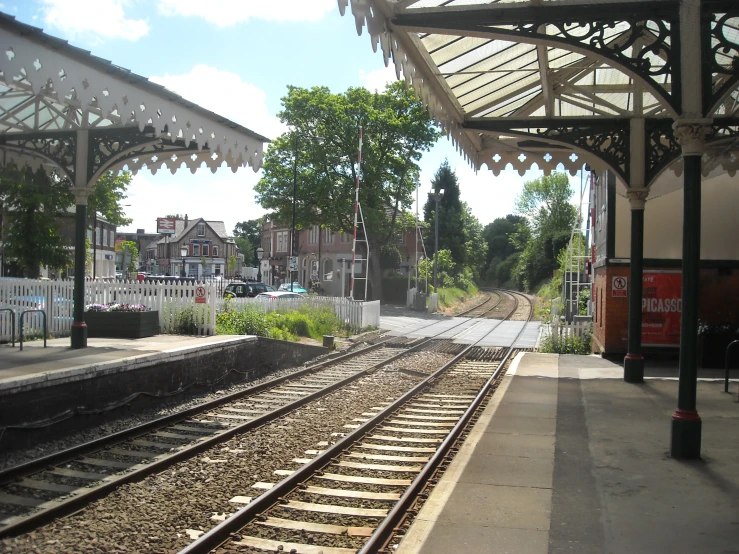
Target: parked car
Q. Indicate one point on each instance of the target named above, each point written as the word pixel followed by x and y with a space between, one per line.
pixel 296 287
pixel 244 290
pixel 279 295
pixel 270 288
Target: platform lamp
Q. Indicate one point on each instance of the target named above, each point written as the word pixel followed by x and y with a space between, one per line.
pixel 436 196
pixel 260 254
pixel 183 251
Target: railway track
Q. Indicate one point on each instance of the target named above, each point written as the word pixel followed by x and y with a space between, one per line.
pixel 35 492
pixel 351 495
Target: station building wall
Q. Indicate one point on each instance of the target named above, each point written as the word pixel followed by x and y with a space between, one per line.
pixel 719 283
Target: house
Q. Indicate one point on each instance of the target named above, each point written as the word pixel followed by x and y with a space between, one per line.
pixel 198 248
pixel 323 255
pixel 142 240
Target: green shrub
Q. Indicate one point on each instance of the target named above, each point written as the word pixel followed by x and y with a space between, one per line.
pixel 246 321
pixel 560 343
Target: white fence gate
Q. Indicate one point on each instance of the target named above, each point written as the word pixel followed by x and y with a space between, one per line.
pixel 175 302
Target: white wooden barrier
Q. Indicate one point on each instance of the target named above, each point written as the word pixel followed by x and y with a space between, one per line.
pixel 564 329
pixel 175 302
pixel 356 315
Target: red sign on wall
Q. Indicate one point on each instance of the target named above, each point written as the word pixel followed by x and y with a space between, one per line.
pixel 661 306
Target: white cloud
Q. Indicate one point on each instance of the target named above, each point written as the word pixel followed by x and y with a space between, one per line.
pixel 230 12
pixel 226 94
pixel 93 19
pixel 377 80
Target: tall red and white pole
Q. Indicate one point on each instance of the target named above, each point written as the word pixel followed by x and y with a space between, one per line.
pixel 356 210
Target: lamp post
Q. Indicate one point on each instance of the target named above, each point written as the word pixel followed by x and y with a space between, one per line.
pixel 183 252
pixel 295 192
pixel 260 254
pixel 436 196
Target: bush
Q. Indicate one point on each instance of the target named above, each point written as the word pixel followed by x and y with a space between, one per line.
pixel 247 321
pixel 560 343
pixel 304 322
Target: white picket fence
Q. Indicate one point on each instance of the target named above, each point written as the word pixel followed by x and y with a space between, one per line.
pixel 564 329
pixel 356 315
pixel 175 303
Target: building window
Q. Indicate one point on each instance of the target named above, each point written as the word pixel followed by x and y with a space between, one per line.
pixel 315 233
pixel 97 236
pixel 105 237
pixel 196 250
pixel 89 235
pixel 346 237
pixel 201 229
pixel 111 238
pixel 329 237
pixel 215 251
pixel 218 268
pixel 205 250
pixel 328 270
pixel 282 241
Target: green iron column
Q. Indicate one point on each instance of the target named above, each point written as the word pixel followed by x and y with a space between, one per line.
pixel 686 423
pixel 634 361
pixel 81 193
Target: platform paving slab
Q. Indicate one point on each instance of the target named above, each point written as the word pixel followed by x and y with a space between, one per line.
pixel 612 486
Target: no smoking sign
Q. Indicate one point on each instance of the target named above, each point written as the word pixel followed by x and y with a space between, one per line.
pixel 200 295
pixel 619 287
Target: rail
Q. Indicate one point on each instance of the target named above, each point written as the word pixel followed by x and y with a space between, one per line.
pixel 20 324
pixel 726 364
pixel 12 324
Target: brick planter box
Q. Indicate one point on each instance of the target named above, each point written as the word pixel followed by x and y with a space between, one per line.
pixel 126 325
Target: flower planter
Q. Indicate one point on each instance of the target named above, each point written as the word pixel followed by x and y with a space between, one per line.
pixel 127 325
pixel 712 350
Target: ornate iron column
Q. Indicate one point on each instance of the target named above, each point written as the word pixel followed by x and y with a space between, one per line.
pixel 686 423
pixel 81 191
pixel 634 361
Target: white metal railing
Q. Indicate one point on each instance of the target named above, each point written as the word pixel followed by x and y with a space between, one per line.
pixel 175 302
pixel 355 314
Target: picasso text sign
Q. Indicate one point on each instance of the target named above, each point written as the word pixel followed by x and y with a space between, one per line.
pixel 661 306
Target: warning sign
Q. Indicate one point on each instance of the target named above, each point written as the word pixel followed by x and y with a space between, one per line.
pixel 618 287
pixel 200 294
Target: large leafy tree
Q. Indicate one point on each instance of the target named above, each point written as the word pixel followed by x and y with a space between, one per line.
pixel 32 205
pixel 321 150
pixel 502 250
pixel 248 237
pixel 545 202
pixel 451 221
pixel 31 230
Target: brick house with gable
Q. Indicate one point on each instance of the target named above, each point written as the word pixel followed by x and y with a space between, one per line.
pixel 199 248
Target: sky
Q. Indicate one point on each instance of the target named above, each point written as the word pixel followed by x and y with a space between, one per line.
pixel 237 58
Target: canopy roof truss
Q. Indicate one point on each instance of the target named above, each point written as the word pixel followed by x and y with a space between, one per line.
pixel 562 81
pixel 53 96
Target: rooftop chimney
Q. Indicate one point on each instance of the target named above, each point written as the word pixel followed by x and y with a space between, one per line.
pixel 185 220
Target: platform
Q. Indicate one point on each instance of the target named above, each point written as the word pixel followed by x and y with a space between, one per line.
pixel 570 458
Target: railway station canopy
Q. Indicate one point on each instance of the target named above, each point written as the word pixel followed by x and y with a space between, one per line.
pixel 549 82
pixel 64 109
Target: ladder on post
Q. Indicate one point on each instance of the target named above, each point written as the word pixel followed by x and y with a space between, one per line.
pixel 359 220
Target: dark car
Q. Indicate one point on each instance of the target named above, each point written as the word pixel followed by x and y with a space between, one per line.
pixel 244 290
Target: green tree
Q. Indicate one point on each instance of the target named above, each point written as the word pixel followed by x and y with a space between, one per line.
pixel 109 192
pixel 231 264
pixel 545 202
pixel 130 253
pixel 502 251
pixel 32 202
pixel 246 248
pixel 474 242
pixel 451 223
pixel 322 149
